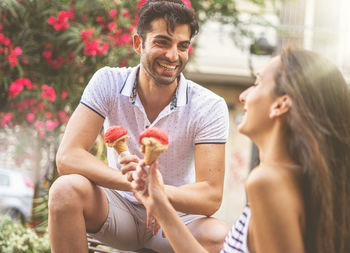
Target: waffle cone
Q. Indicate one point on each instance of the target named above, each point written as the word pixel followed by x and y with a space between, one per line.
pixel 152 148
pixel 119 144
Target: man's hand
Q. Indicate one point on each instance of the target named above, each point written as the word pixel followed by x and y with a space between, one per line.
pixel 130 164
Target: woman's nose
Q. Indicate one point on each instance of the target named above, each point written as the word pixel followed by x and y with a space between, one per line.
pixel 243 96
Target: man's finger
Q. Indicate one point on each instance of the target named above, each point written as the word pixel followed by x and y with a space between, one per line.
pixel 156 227
pixel 128 167
pixel 129 159
pixel 149 220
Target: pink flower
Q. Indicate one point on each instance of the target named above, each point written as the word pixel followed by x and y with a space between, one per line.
pixel 187 3
pixel 139 5
pixel 60 59
pixel 2 37
pixel 13 60
pixel 125 39
pixel 47 54
pixel 113 13
pixel 90 48
pixel 102 48
pixel 48 92
pixel 85 34
pixel 99 19
pixel 61 22
pixel 62 115
pixel 6 120
pixel 64 94
pixel 126 14
pixel 30 117
pixel 111 26
pixel 17 51
pixel 63 16
pixel 26 82
pixel 51 20
pixel 51 125
pixel 39 125
pixel 15 88
pixel 48 115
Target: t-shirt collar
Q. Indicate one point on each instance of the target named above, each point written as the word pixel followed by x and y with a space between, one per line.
pixel 180 97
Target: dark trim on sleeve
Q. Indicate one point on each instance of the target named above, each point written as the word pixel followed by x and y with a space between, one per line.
pixel 92 109
pixel 210 143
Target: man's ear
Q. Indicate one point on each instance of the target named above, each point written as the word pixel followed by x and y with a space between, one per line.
pixel 280 106
pixel 137 43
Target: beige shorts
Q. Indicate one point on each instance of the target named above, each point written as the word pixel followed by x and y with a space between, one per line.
pixel 125 226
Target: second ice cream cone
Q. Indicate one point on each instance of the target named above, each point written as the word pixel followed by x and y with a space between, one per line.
pixel 152 148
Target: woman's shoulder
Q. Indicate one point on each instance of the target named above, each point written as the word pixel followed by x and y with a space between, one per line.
pixel 275 182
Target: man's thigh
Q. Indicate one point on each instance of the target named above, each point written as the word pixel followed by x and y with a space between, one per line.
pixel 123 228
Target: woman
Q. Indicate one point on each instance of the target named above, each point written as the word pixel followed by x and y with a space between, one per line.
pixel 298 114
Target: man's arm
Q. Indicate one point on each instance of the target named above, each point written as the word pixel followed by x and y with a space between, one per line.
pixel 73 156
pixel 204 196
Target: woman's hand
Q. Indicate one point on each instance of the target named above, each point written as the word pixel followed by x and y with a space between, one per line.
pixel 148 188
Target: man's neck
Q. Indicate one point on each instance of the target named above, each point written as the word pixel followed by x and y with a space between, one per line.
pixel 154 97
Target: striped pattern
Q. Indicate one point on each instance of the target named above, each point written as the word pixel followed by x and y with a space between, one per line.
pixel 236 240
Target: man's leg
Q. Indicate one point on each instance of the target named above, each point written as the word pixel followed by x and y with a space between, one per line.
pixel 75 206
pixel 210 232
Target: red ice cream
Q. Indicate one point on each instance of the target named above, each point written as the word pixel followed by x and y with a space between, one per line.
pixel 155 132
pixel 114 132
pixel 116 137
pixel 154 141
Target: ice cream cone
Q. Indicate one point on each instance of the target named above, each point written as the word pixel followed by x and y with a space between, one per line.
pixel 119 144
pixel 116 137
pixel 152 148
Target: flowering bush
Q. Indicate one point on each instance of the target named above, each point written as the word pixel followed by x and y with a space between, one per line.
pixel 49 50
pixel 14 237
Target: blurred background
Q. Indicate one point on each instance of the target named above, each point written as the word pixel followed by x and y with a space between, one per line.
pixel 50 49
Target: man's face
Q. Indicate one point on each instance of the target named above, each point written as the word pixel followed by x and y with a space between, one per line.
pixel 164 55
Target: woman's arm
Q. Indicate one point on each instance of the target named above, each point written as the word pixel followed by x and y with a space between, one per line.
pixel 276 204
pixel 159 207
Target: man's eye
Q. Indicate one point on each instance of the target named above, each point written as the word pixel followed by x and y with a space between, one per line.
pixel 161 42
pixel 184 47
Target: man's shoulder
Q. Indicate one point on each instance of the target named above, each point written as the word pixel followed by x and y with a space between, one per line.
pixel 115 71
pixel 199 92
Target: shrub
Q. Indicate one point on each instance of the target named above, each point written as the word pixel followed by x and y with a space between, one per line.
pixel 16 238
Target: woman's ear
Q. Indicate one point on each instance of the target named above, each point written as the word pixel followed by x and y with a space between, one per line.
pixel 280 106
pixel 137 43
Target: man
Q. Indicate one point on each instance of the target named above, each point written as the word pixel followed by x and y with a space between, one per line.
pixel 96 198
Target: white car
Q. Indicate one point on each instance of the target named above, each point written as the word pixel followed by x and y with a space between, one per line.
pixel 16 194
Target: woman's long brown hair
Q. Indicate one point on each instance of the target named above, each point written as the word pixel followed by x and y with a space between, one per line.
pixel 318 134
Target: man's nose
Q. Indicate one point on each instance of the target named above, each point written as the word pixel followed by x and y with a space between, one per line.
pixel 172 53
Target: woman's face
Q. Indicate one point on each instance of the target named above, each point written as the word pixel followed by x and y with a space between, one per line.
pixel 258 100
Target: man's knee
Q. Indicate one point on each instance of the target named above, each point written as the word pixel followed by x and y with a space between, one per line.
pixel 67 192
pixel 210 232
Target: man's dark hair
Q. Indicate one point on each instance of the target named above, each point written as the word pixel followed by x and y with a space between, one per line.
pixel 173 11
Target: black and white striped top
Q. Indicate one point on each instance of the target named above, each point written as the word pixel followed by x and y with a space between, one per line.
pixel 236 240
